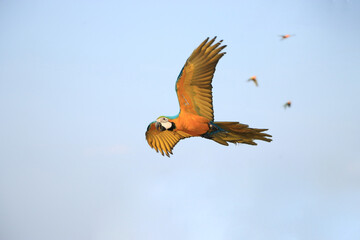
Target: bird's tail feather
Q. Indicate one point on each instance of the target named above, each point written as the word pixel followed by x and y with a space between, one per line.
pixel 235 132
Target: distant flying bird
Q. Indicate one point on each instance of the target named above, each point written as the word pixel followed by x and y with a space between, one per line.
pixel 286 36
pixel 253 78
pixel 196 116
pixel 287 104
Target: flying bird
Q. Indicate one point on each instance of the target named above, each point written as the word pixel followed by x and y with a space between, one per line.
pixel 287 104
pixel 286 36
pixel 254 79
pixel 196 117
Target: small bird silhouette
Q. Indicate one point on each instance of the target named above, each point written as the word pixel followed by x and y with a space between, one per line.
pixel 286 36
pixel 287 104
pixel 253 78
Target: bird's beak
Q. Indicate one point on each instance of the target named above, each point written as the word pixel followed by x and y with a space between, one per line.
pixel 158 126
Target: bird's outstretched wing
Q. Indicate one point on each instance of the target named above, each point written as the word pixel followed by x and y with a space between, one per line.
pixel 163 141
pixel 193 86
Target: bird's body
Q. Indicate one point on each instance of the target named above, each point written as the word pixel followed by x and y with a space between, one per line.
pixel 254 79
pixel 192 124
pixel 287 104
pixel 196 116
pixel 286 36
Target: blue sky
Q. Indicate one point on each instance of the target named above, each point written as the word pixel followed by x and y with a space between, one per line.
pixel 81 80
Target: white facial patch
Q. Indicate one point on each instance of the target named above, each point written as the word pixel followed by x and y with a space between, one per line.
pixel 166 125
pixel 164 122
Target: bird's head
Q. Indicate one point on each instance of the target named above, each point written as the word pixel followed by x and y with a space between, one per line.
pixel 163 123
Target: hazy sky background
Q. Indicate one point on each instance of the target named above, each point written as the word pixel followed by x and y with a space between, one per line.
pixel 81 80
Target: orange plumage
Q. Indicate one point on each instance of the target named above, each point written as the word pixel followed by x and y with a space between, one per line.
pixel 196 116
pixel 286 36
pixel 254 79
pixel 287 104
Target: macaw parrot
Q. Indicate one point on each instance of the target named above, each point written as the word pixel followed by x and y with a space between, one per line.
pixel 196 117
pixel 254 79
pixel 286 36
pixel 287 104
